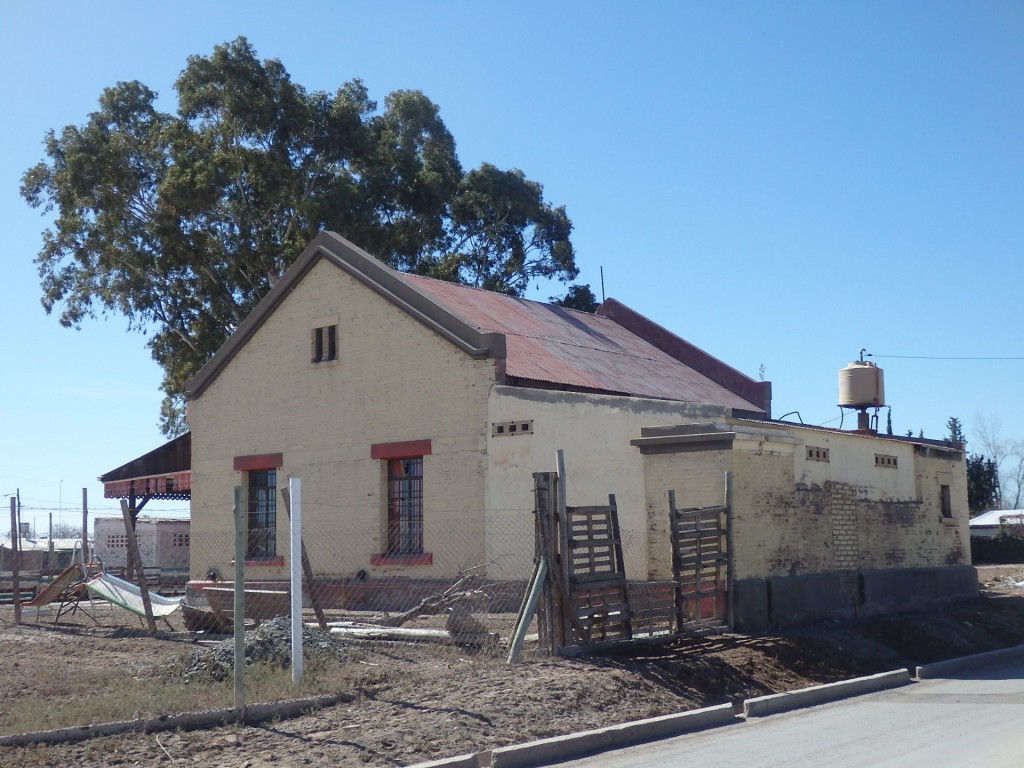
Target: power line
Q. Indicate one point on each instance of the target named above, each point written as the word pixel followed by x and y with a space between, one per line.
pixel 938 357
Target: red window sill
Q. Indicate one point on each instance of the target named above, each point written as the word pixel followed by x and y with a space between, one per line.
pixel 264 562
pixel 423 558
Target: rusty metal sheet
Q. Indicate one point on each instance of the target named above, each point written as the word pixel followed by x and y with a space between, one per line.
pixel 566 347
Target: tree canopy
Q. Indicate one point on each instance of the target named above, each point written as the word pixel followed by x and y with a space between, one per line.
pixel 983 492
pixel 181 222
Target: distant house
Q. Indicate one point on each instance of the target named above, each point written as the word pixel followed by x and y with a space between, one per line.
pixel 416 412
pixel 997 521
pixel 163 542
pixel 39 554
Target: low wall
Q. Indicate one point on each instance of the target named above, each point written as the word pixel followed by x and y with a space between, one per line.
pixel 392 595
pixel 787 601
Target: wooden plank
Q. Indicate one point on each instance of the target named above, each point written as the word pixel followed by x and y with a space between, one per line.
pixel 136 557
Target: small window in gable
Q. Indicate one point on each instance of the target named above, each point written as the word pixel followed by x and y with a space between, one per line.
pixel 325 344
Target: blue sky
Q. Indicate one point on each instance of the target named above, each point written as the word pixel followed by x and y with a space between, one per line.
pixel 781 184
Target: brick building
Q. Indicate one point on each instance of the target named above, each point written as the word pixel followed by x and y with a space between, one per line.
pixel 416 412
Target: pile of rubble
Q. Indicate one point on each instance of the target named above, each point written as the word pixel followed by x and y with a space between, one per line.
pixel 269 643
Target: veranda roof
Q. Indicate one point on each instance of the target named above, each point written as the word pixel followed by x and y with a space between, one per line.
pixel 163 473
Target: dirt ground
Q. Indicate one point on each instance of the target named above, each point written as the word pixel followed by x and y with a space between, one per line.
pixel 410 708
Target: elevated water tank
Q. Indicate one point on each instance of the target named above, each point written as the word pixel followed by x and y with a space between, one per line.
pixel 861 385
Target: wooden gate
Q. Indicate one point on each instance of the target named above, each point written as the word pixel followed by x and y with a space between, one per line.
pixel 595 574
pixel 701 564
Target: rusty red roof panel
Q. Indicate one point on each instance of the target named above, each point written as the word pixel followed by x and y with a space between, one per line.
pixel 566 347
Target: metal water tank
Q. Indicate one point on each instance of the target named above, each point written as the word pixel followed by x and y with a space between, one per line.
pixel 861 385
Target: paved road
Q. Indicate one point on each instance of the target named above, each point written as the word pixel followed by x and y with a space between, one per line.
pixel 976 720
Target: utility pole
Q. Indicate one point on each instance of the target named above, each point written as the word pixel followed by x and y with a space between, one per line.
pixel 15 565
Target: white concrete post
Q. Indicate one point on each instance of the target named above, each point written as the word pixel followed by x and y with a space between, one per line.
pixel 295 492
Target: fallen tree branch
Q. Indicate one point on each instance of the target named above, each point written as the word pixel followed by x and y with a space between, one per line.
pixel 432 605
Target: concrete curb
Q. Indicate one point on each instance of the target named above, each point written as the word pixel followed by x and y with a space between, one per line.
pixel 573 745
pixel 821 694
pixel 472 760
pixel 964 663
pixel 576 744
pixel 254 713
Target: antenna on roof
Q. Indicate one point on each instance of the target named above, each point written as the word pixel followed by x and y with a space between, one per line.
pixel 602 285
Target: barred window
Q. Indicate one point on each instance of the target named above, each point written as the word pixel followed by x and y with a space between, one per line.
pixel 405 506
pixel 262 514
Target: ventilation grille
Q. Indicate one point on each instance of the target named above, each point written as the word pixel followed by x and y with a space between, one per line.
pixel 508 428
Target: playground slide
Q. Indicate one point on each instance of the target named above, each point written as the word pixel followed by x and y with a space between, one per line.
pixel 129 596
pixel 53 591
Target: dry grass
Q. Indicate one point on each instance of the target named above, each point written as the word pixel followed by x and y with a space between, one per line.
pixel 84 696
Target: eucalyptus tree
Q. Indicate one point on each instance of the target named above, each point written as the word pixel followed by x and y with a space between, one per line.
pixel 181 221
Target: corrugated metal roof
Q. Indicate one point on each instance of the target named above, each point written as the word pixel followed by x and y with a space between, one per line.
pixel 576 349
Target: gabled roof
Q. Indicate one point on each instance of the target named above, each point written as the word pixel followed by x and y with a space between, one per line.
pixel 616 351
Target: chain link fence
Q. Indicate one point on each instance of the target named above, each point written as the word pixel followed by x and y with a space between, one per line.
pixel 461 583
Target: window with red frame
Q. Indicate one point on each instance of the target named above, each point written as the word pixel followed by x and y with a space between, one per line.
pixel 405 506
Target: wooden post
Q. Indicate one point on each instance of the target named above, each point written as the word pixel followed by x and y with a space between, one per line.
pixel 307 570
pixel 133 551
pixel 85 526
pixel 730 576
pixel 559 541
pixel 241 536
pixel 15 558
pixel 549 613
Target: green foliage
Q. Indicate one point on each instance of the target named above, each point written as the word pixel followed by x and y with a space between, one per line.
pixel 1000 548
pixel 180 222
pixel 956 431
pixel 983 491
pixel 577 297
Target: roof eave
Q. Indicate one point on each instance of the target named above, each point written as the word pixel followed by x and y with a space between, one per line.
pixel 756 393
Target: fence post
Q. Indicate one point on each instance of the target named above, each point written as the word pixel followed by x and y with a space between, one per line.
pixel 241 525
pixel 15 558
pixel 730 576
pixel 549 613
pixel 307 569
pixel 133 551
pixel 295 492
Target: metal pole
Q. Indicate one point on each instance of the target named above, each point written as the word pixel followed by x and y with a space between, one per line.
pixel 241 525
pixel 85 525
pixel 295 491
pixel 15 557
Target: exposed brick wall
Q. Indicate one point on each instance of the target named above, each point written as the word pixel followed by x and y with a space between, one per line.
pixel 784 527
